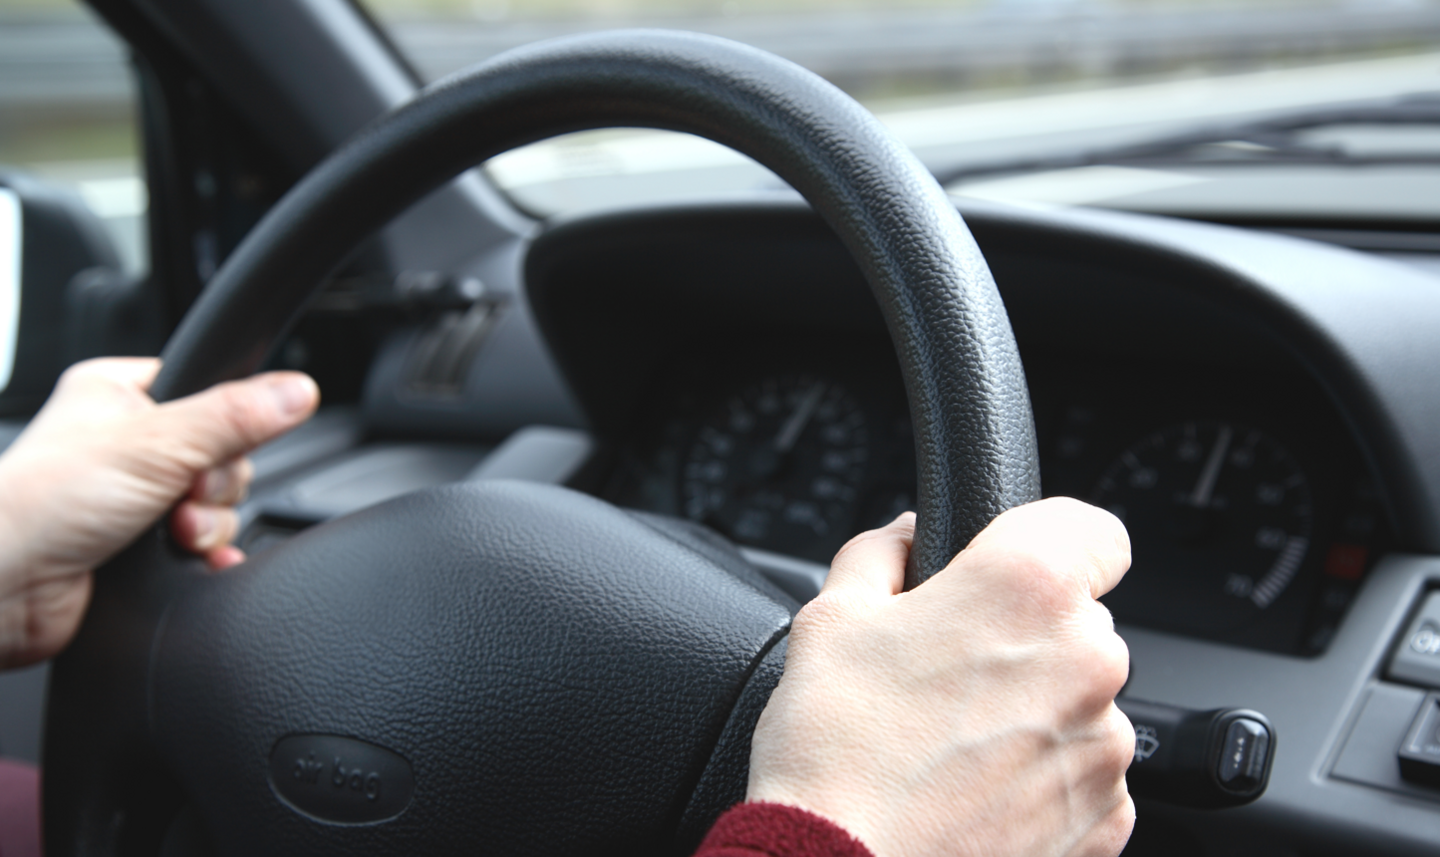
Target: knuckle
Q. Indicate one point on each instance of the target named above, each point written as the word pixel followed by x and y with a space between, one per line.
pixel 1113 831
pixel 243 472
pixel 1096 663
pixel 1110 657
pixel 859 540
pixel 1120 741
pixel 1031 566
pixel 75 372
pixel 850 546
pixel 1101 673
pixel 81 374
pixel 818 610
pixel 1047 579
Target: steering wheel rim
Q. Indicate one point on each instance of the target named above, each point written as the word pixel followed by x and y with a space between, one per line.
pixel 970 410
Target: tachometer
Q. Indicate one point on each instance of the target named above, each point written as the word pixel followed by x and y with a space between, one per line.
pixel 780 463
pixel 1220 519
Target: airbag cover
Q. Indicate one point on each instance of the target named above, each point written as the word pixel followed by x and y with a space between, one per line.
pixel 554 672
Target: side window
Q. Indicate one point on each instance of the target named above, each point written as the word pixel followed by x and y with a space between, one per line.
pixel 70 169
pixel 68 114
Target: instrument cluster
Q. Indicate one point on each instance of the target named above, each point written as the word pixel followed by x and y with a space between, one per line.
pixel 1251 518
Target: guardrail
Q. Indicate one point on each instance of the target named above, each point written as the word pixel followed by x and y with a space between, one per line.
pixel 1001 44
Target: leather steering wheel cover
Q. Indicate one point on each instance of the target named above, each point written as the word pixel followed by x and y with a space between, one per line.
pixel 974 432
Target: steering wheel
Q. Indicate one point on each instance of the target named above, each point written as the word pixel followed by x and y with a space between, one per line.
pixel 515 667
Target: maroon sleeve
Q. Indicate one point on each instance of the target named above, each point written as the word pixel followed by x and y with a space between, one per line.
pixel 776 830
pixel 19 810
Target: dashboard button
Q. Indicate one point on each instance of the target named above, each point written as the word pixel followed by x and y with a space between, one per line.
pixel 1420 751
pixel 1417 659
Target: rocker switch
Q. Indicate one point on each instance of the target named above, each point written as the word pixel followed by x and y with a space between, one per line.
pixel 1243 755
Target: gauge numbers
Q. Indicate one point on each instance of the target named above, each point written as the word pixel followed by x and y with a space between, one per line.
pixel 1220 518
pixel 779 463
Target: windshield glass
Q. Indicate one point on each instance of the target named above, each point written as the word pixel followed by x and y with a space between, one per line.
pixel 1049 101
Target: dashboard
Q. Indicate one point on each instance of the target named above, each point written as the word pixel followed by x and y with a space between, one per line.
pixel 1267 438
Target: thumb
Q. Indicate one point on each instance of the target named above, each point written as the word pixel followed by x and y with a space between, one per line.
pixel 873 563
pixel 230 419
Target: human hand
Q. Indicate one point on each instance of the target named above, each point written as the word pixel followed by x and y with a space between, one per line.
pixel 101 462
pixel 973 715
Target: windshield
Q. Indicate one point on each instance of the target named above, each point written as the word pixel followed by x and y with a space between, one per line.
pixel 1023 99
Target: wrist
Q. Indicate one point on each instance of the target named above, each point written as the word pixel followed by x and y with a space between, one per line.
pixel 29 584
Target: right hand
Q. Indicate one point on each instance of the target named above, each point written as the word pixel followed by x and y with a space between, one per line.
pixel 973 715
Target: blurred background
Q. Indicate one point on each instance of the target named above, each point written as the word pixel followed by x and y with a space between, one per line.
pixel 943 74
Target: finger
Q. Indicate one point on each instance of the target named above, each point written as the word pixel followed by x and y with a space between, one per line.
pixel 225 485
pixel 1064 534
pixel 1103 664
pixel 1119 741
pixel 874 562
pixel 228 420
pixel 94 389
pixel 201 529
pixel 1114 826
pixel 137 372
pixel 224 557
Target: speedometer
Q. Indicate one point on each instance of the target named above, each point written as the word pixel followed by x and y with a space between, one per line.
pixel 1220 519
pixel 780 463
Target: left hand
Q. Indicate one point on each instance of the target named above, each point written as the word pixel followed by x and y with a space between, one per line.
pixel 101 462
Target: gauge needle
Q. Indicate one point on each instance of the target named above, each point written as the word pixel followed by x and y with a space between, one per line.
pixel 1200 497
pixel 790 432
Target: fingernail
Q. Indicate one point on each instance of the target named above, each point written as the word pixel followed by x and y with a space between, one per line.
pixel 293 393
pixel 224 557
pixel 205 528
